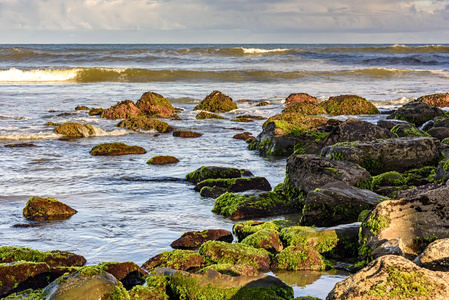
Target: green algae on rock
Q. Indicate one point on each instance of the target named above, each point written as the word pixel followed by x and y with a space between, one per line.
pixel 247 228
pixel 122 110
pixel 186 134
pixel 300 257
pixel 438 100
pixel 207 115
pixel 113 149
pixel 216 102
pixel 75 130
pixel 306 109
pixel 194 239
pixel 145 123
pixel 211 172
pixel 349 105
pixel 155 105
pixel 176 259
pixel 162 160
pixel 39 209
pixel 265 239
pixel 232 269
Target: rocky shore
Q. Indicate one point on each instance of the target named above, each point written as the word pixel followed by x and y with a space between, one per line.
pixel 386 182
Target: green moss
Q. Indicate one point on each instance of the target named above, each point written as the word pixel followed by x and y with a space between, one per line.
pixel 366 184
pixel 176 259
pixel 376 223
pixel 204 173
pixel 289 235
pixel 206 115
pixel 337 156
pixel 244 229
pixel 392 178
pixel 260 237
pixel 349 105
pixel 403 285
pixel 420 244
pixel 305 108
pixel 362 216
pixel 400 131
pixel 300 257
pixel 119 293
pixel 147 292
pixel 11 253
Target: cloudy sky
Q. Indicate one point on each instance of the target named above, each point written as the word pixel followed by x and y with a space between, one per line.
pixel 224 21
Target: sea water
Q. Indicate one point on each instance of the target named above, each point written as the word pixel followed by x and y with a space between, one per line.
pixel 129 210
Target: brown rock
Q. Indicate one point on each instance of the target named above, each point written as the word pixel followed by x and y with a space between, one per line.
pixel 194 239
pixel 438 100
pixel 349 105
pixel 300 98
pixel 39 209
pixel 177 259
pixel 129 273
pixel 145 123
pixel 186 134
pixel 155 105
pixel 114 149
pixel 122 110
pixel 162 160
pixel 75 130
pixel 216 102
pixel 435 257
pixel 19 276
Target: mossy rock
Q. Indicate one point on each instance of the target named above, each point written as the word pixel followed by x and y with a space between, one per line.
pixel 408 130
pixel 216 252
pixel 206 115
pixel 216 102
pixel 186 134
pixel 289 235
pixel 416 113
pixel 349 105
pixel 212 172
pixel 39 209
pixel 81 107
pixel 162 160
pixel 140 292
pixel 438 100
pixel 244 136
pixel 306 109
pixel 295 98
pixel 247 228
pixel 95 111
pixel 75 130
pixel 175 259
pixel 391 178
pixel 194 239
pixel 122 110
pixel 155 105
pixel 145 123
pixel 263 103
pixel 232 269
pixel 114 149
pixel 300 257
pixel 235 184
pixel 265 239
pixel 18 276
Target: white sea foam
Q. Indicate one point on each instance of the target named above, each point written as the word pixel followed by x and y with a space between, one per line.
pixel 101 132
pixel 261 51
pixel 37 75
pixel 29 136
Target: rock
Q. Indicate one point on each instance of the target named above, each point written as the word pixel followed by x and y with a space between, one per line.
pixel 439 132
pixel 408 130
pixel 81 107
pixel 20 145
pixel 216 252
pixel 442 122
pixel 416 113
pixel 438 100
pixel 420 217
pixel 216 102
pixel 284 134
pixel 442 172
pixel 244 136
pixel 388 155
pixel 129 273
pixel 145 123
pixel 245 229
pixel 52 124
pixel 353 130
pixel 206 115
pixel 389 124
pixel 263 103
pixel 395 277
pixel 90 283
pixel 140 292
pixel 162 160
pixel 309 172
pixel 122 110
pixel 113 149
pixel 194 239
pixel 186 134
pixel 265 239
pixel 305 108
pixel 19 276
pixel 349 105
pixel 40 209
pixel 300 98
pixel 75 130
pixel 337 203
pixel 391 247
pixel 232 270
pixel 212 172
pixel 299 258
pixel 155 105
pixel 240 207
pixel 415 191
pixel 235 185
pixel 435 257
pixel 95 111
pixel 176 259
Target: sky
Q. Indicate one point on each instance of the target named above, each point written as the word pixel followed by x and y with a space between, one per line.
pixel 224 21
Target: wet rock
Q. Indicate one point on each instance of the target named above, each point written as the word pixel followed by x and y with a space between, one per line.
pixel 39 209
pixel 438 100
pixel 194 239
pixel 216 252
pixel 300 98
pixel 206 115
pixel 81 107
pixel 212 172
pixel 415 191
pixel 145 123
pixel 389 124
pixel 309 172
pixel 442 122
pixel 176 259
pixel 216 102
pixel 263 103
pixel 416 113
pixel 114 149
pixel 243 136
pixel 140 292
pixel 305 108
pixel 235 185
pixel 349 105
pixel 337 203
pixel 245 229
pixel 439 132
pixel 20 145
pixel 435 257
pixel 408 130
pixel 129 273
pixel 297 258
pixel 75 130
pixel 392 276
pixel 442 172
pixel 19 276
pixel 265 239
pixel 388 155
pixel 52 124
pixel 186 134
pixel 232 270
pixel 162 160
pixel 122 110
pixel 95 111
pixel 155 106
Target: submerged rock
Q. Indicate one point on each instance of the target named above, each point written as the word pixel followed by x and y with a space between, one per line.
pixel 155 106
pixel 186 134
pixel 194 239
pixel 216 102
pixel 75 130
pixel 113 149
pixel 213 172
pixel 145 123
pixel 39 209
pixel 349 105
pixel 122 110
pixel 162 160
pixel 206 115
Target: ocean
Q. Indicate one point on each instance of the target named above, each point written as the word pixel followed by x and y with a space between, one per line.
pixel 129 210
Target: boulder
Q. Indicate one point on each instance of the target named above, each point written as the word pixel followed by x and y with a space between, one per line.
pixel 305 109
pixel 349 105
pixel 81 107
pixel 75 130
pixel 388 155
pixel 162 160
pixel 216 252
pixel 438 100
pixel 299 258
pixel 421 217
pixel 439 132
pixel 247 228
pixel 337 203
pixel 186 134
pixel 435 257
pixel 194 239
pixel 129 273
pixel 216 102
pixel 114 149
pixel 141 292
pixel 40 209
pixel 231 269
pixel 416 113
pixel 265 239
pixel 145 123
pixel 213 172
pixel 300 98
pixel 442 122
pixel 234 185
pixel 392 277
pixel 19 276
pixel 95 111
pixel 155 106
pixel 408 130
pixel 122 110
pixel 442 172
pixel 309 172
pixel 389 124
pixel 206 115
pixel 177 259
